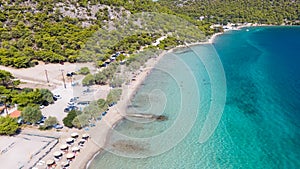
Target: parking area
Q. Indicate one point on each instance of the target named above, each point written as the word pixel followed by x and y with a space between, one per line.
pixel 57 109
pixel 83 94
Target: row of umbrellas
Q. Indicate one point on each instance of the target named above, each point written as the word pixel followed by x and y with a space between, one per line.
pixel 65 147
pixel 76 135
pixel 52 162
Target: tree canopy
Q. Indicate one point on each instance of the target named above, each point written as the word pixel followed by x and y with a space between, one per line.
pixel 31 114
pixel 47 96
pixel 84 71
pixel 237 11
pixel 6 78
pixel 81 121
pixel 22 97
pixel 35 31
pixel 114 95
pixel 70 117
pixel 8 126
pixel 50 121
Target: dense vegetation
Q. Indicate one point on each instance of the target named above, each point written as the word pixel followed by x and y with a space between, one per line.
pixel 102 77
pixel 8 126
pixel 80 119
pixel 84 71
pixel 50 122
pixel 35 33
pixel 31 114
pixel 114 96
pixel 23 97
pixel 238 11
pixel 92 112
pixel 58 31
pixel 70 117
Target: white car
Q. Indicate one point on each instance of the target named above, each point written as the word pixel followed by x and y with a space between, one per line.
pixel 57 96
pixel 71 103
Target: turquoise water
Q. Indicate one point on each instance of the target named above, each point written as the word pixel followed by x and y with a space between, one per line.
pixel 259 127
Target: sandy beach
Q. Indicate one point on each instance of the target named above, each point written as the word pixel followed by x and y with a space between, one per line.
pixel 116 113
pixel 100 133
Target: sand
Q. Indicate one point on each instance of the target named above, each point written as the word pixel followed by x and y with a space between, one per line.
pixel 99 134
pixel 35 77
pixel 116 113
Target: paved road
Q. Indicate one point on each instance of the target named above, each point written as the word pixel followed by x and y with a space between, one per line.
pixel 57 109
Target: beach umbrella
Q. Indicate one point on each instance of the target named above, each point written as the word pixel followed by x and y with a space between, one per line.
pixel 64 147
pixel 65 164
pixel 70 155
pixel 69 140
pixel 85 136
pixel 75 149
pixel 74 135
pixel 81 140
pixel 57 153
pixel 50 162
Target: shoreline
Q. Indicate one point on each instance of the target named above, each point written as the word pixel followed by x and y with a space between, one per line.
pixel 130 90
pixel 133 89
pixel 117 113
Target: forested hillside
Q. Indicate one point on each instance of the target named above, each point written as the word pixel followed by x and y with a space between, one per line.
pixel 238 11
pixel 57 30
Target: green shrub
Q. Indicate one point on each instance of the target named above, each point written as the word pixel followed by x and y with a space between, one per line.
pixel 84 71
pixel 8 126
pixel 70 117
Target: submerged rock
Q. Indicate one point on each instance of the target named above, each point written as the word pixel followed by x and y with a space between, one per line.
pixel 129 146
pixel 149 116
pixel 161 118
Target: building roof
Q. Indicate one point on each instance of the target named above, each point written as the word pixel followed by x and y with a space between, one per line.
pixel 15 114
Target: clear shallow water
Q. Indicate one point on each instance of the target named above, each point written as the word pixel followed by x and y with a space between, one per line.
pixel 260 126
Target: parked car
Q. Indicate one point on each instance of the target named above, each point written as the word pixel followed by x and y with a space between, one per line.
pixel 112 104
pixel 71 103
pixel 57 126
pixel 104 113
pixel 57 96
pixel 73 107
pixel 70 74
pixel 70 108
pixel 84 103
pixel 66 110
pixel 87 90
pixel 42 120
pixel 42 106
pixel 20 121
pixel 74 99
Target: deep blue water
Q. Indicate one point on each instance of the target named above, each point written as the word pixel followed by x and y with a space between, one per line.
pixel 260 125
